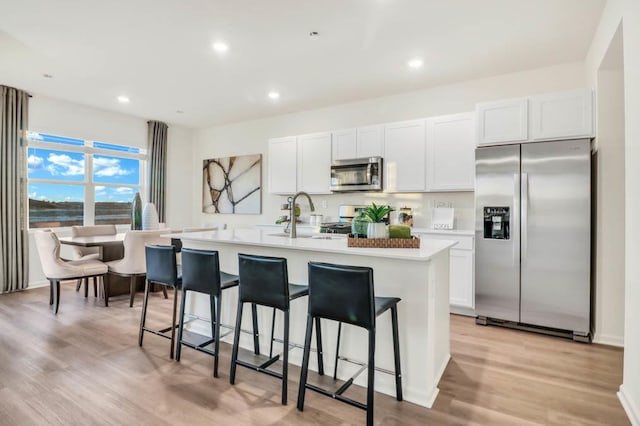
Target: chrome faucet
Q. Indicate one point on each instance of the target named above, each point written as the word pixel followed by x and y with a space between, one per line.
pixel 292 211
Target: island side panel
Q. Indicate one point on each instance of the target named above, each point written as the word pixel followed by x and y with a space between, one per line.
pixel 412 281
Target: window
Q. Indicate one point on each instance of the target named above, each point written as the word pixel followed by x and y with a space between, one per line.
pixel 76 182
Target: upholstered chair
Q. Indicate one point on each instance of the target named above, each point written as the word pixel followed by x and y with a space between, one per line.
pixel 133 264
pixel 84 253
pixel 56 270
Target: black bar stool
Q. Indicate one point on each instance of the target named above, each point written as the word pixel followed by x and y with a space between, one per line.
pixel 162 269
pixel 264 281
pixel 201 273
pixel 345 294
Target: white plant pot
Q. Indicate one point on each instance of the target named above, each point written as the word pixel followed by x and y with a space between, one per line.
pixel 150 217
pixel 377 230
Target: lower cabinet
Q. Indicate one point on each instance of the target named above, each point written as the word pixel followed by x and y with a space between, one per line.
pixel 461 271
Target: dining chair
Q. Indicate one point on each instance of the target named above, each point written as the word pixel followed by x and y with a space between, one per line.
pixel 55 269
pixel 133 264
pixel 84 253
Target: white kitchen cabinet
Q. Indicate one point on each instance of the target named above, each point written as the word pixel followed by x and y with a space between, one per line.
pixel 343 144
pixel 282 157
pixel 314 163
pixel 561 115
pixel 461 270
pixel 358 143
pixel 405 156
pixel 502 121
pixel 370 141
pixel 451 152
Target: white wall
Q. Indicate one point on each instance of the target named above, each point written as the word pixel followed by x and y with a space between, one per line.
pixel 49 115
pixel 251 137
pixel 627 13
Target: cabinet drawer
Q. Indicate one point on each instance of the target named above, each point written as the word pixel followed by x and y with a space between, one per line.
pixel 464 242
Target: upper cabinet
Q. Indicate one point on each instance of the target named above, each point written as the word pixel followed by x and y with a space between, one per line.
pixel 502 121
pixel 405 156
pixel 358 143
pixel 314 163
pixel 451 152
pixel 282 158
pixel 560 115
pixel 370 141
pixel 343 145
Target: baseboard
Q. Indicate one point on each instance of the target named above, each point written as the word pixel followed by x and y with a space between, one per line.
pixel 38 284
pixel 632 410
pixel 461 310
pixel 609 339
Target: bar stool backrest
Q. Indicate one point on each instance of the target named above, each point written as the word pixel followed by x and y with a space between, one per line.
pixel 201 271
pixel 264 280
pixel 342 293
pixel 161 264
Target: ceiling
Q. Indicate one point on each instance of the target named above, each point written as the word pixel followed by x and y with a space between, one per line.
pixel 159 52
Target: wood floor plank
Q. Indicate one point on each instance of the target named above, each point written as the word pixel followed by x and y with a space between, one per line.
pixel 84 366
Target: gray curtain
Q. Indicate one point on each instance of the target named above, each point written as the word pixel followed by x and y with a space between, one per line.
pixel 157 147
pixel 14 236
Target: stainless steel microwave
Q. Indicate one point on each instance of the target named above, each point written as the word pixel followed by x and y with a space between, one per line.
pixel 358 174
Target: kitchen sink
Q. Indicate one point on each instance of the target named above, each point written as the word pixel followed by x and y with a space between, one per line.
pixel 312 236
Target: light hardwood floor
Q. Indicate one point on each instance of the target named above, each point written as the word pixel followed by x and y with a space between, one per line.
pixel 84 367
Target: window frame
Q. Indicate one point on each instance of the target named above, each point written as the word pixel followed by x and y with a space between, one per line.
pixel 88 184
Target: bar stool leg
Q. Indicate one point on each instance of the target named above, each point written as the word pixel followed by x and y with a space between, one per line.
pixel 164 292
pixel 50 292
pixel 212 308
pixel 304 368
pixel 86 287
pixel 95 287
pixel 396 352
pixel 144 310
pixel 319 348
pixel 273 328
pixel 236 343
pixel 335 366
pixel 106 284
pixel 216 342
pixel 371 370
pixel 256 337
pixel 173 322
pixel 285 358
pixel 181 325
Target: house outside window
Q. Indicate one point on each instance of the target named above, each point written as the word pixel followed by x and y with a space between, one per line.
pixel 81 182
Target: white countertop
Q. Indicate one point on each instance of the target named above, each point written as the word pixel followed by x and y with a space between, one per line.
pixel 313 242
pixel 461 232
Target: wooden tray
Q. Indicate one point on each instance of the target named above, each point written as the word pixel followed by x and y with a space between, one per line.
pixel 412 242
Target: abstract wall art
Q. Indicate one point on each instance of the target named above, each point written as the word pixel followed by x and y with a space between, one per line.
pixel 232 184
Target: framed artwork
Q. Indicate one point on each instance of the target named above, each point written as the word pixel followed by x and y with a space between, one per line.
pixel 232 184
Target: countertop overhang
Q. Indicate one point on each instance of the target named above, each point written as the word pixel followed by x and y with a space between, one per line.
pixel 337 244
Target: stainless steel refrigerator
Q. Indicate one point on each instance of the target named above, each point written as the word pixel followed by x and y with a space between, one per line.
pixel 533 241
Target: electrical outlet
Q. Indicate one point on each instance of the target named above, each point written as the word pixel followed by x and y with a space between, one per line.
pixel 442 204
pixel 324 204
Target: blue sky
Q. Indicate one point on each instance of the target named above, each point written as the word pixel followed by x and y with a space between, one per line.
pixel 70 167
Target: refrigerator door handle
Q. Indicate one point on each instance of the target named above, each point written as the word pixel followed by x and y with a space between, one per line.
pixel 524 194
pixel 516 214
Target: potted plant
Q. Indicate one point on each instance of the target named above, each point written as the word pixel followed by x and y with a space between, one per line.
pixel 377 229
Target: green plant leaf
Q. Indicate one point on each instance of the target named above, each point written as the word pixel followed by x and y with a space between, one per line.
pixel 377 213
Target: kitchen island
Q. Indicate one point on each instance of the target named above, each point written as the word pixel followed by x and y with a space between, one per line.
pixel 420 277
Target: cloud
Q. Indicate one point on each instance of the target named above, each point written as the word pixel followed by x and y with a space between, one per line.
pixel 108 167
pixel 100 188
pixel 64 165
pixel 124 190
pixel 33 194
pixel 42 197
pixel 34 161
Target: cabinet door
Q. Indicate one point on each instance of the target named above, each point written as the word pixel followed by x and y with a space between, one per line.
pixel 370 141
pixel 451 153
pixel 343 144
pixel 404 156
pixel 502 121
pixel 461 278
pixel 314 163
pixel 282 158
pixel 562 115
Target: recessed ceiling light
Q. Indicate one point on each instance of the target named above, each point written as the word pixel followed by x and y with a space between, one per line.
pixel 123 99
pixel 314 35
pixel 47 75
pixel 415 63
pixel 180 111
pixel 273 95
pixel 220 47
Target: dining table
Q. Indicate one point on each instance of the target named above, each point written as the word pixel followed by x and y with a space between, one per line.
pixel 111 246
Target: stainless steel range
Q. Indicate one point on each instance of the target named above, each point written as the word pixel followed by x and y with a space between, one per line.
pixel 346 214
